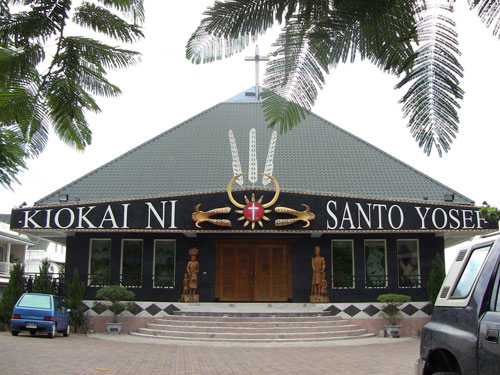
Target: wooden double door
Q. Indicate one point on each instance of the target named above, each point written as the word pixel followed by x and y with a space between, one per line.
pixel 253 271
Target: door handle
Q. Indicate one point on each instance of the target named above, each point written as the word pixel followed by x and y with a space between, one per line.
pixel 492 336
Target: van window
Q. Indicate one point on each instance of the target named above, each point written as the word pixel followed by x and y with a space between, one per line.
pixel 470 272
pixel 35 300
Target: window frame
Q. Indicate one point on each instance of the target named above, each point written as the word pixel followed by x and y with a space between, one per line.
pixel 89 278
pixel 154 261
pixel 385 263
pixel 419 280
pixel 139 285
pixel 464 267
pixel 352 261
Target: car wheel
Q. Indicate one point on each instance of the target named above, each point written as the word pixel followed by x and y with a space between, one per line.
pixel 32 333
pixel 67 331
pixel 52 332
pixel 14 332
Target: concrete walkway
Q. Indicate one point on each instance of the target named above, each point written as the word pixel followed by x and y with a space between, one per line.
pixel 121 355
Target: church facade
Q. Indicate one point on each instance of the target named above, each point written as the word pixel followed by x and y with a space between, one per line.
pixel 254 205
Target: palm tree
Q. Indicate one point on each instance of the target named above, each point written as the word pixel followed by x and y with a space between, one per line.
pixel 49 77
pixel 412 39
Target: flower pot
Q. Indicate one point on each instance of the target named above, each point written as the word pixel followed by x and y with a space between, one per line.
pixel 114 328
pixel 393 331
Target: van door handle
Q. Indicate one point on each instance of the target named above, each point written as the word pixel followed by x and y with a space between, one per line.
pixel 492 336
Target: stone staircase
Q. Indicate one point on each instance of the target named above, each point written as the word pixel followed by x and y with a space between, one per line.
pixel 252 327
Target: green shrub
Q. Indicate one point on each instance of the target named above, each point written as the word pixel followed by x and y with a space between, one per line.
pixel 436 278
pixel 14 290
pixel 391 308
pixel 43 282
pixel 114 295
pixel 74 300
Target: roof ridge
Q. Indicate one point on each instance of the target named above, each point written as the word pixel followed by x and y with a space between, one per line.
pixel 392 157
pixel 140 146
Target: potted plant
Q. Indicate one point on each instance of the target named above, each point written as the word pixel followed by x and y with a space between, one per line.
pixel 114 295
pixel 391 311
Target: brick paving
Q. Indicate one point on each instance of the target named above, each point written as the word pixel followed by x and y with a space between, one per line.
pixel 99 354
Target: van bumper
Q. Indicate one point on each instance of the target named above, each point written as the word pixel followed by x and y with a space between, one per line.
pixel 419 366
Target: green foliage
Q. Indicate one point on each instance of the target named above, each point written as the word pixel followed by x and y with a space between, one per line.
pixel 12 155
pixel 412 39
pixel 391 308
pixel 48 77
pixel 43 282
pixel 436 278
pixel 14 290
pixel 114 295
pixel 490 213
pixel 74 300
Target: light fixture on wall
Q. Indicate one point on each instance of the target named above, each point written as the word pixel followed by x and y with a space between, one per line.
pixel 449 197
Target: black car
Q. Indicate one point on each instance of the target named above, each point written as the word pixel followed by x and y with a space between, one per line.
pixel 463 334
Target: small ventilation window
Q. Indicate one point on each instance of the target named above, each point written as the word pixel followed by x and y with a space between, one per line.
pixel 461 255
pixel 445 291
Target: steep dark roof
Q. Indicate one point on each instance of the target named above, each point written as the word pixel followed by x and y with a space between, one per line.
pixel 195 156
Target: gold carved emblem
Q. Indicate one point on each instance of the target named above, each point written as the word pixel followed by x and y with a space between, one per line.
pixel 253 211
pixel 203 216
pixel 306 216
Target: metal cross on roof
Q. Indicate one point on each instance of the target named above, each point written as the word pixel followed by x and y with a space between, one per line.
pixel 257 58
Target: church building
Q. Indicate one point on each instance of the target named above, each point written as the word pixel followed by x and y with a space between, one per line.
pixel 221 208
pixel 255 205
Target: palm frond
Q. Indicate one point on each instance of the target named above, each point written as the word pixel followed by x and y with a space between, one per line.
pixel 380 31
pixel 18 63
pixel 203 47
pixel 228 27
pixel 489 13
pixel 24 26
pixel 431 100
pixel 293 77
pixel 97 53
pixel 67 102
pixel 12 156
pixel 23 112
pixel 102 20
pixel 133 9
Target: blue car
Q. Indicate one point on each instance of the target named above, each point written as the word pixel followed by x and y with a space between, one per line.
pixel 35 312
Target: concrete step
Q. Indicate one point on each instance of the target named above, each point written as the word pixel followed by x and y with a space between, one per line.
pixel 261 323
pixel 253 314
pixel 233 318
pixel 251 329
pixel 242 328
pixel 252 336
pixel 250 340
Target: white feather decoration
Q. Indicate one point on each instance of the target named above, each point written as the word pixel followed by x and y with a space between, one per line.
pixel 252 157
pixel 236 158
pixel 268 169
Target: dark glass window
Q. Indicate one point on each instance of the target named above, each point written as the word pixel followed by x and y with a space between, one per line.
pixel 131 274
pixel 164 264
pixel 342 264
pixel 375 264
pixel 100 260
pixel 408 264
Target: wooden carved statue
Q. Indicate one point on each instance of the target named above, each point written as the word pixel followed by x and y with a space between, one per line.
pixel 191 278
pixel 319 285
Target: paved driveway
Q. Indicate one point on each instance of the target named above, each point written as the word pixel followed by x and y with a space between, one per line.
pixel 100 354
